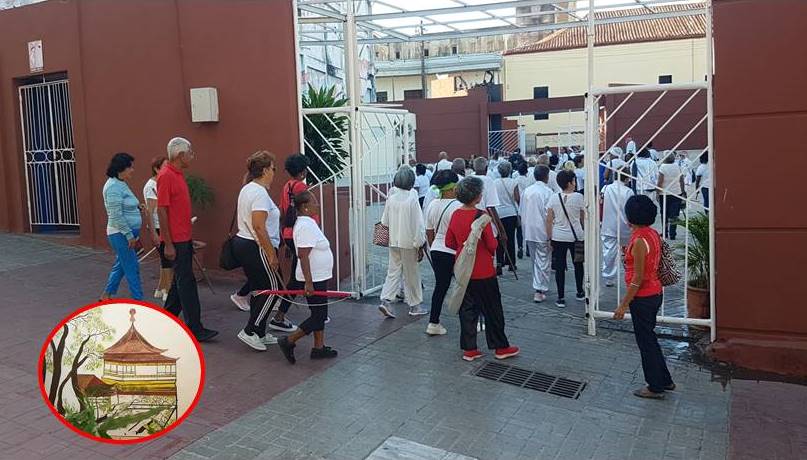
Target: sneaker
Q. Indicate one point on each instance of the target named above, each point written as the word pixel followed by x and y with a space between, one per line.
pixel 327 320
pixel 241 302
pixel 418 310
pixel 269 339
pixel 539 297
pixel 287 348
pixel 158 293
pixel 252 340
pixel 165 296
pixel 386 310
pixel 470 355
pixel 580 296
pixel 205 335
pixel 504 353
pixel 283 326
pixel 609 284
pixel 399 297
pixel 435 329
pixel 561 303
pixel 323 353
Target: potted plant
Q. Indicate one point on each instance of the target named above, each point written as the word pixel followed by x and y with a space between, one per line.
pixel 698 268
pixel 202 198
pixel 325 134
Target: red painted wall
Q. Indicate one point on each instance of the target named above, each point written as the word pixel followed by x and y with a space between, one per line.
pixel 761 223
pixel 131 66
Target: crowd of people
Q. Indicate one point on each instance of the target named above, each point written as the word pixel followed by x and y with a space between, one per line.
pixel 472 219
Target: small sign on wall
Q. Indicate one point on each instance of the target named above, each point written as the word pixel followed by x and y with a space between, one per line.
pixel 36 61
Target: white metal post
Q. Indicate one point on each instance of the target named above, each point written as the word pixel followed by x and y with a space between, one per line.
pixel 712 162
pixel 299 70
pixel 352 88
pixel 591 157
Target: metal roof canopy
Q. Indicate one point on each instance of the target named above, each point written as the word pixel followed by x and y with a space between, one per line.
pixel 426 24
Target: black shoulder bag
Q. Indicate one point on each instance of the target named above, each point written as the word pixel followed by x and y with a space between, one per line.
pixel 579 255
pixel 227 259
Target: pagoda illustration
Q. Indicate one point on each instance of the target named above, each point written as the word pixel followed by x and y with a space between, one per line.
pixel 138 380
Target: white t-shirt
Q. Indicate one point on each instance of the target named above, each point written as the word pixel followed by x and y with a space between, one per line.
pixel 307 234
pixel 705 174
pixel 443 164
pixel 553 181
pixel 580 175
pixel 490 199
pixel 493 169
pixel 525 181
pixel 614 221
pixel 422 184
pixel 505 191
pixel 561 231
pixel 670 173
pixel 631 147
pixel 446 208
pixel 614 164
pixel 150 193
pixel 646 173
pixel 255 197
pixel 533 211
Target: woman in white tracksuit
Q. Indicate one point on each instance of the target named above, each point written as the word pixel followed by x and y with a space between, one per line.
pixel 615 230
pixel 407 236
pixel 533 218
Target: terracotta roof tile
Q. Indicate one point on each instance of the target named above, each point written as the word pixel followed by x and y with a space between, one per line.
pixel 636 31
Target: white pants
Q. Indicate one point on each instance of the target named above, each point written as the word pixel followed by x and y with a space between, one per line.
pixel 610 258
pixel 403 267
pixel 541 258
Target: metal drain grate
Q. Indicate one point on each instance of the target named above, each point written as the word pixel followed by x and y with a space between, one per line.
pixel 526 378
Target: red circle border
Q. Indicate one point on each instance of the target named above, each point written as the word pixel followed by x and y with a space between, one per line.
pixel 161 310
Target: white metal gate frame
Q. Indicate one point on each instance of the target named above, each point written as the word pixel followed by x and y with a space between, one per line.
pixel 506 141
pixel 49 152
pixel 592 140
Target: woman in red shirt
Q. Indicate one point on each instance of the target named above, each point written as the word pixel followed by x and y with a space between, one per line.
pixel 482 294
pixel 644 294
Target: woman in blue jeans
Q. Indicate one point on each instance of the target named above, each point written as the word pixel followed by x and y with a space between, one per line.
pixel 123 226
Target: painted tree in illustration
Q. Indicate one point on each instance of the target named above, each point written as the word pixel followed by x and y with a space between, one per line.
pixel 87 333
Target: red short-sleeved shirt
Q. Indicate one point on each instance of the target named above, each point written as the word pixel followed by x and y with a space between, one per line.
pixel 459 227
pixel 173 194
pixel 292 187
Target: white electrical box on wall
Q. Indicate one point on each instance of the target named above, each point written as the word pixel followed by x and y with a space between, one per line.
pixel 204 105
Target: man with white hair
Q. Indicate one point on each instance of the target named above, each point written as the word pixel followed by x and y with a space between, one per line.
pixel 174 211
pixel 443 162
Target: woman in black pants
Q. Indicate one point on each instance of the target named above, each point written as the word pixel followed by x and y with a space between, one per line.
pixel 315 269
pixel 255 246
pixel 438 215
pixel 564 226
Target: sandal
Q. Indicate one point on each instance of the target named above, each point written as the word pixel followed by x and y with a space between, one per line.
pixel 645 392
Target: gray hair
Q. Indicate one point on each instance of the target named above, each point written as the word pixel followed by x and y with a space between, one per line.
pixel 404 179
pixel 505 169
pixel 543 159
pixel 480 165
pixel 458 166
pixel 443 155
pixel 178 145
pixel 469 189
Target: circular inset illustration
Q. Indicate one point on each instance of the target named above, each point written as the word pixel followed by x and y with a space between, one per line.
pixel 121 371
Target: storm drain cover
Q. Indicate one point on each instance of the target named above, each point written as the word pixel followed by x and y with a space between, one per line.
pixel 532 380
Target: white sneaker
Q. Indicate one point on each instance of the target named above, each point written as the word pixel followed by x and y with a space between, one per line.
pixel 252 340
pixel 539 297
pixel 386 311
pixel 269 339
pixel 159 293
pixel 418 310
pixel 327 319
pixel 241 302
pixel 480 326
pixel 165 295
pixel 435 329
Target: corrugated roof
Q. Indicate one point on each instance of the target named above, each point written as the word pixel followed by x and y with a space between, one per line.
pixel 646 30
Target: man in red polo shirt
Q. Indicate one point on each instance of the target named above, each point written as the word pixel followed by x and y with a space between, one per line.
pixel 174 212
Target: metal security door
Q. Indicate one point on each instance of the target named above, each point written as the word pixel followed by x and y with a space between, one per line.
pixel 49 153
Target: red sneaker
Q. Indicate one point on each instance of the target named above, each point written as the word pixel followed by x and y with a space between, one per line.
pixel 503 353
pixel 470 355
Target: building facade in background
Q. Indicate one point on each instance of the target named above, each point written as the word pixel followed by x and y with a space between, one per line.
pixel 663 50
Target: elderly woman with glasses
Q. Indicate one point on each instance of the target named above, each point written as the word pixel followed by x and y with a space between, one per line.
pixel 407 235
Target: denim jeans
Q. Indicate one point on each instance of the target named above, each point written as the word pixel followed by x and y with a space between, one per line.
pixel 126 264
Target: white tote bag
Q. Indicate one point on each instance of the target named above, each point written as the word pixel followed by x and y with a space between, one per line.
pixel 464 263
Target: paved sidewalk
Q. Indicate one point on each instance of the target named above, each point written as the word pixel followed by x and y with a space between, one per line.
pixel 416 387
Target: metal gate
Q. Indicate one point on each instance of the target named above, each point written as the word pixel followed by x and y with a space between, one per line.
pixel 49 152
pixel 506 141
pixel 695 228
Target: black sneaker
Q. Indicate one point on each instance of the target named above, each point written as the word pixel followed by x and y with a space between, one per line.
pixel 206 334
pixel 580 296
pixel 323 353
pixel 287 348
pixel 283 326
pixel 561 303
